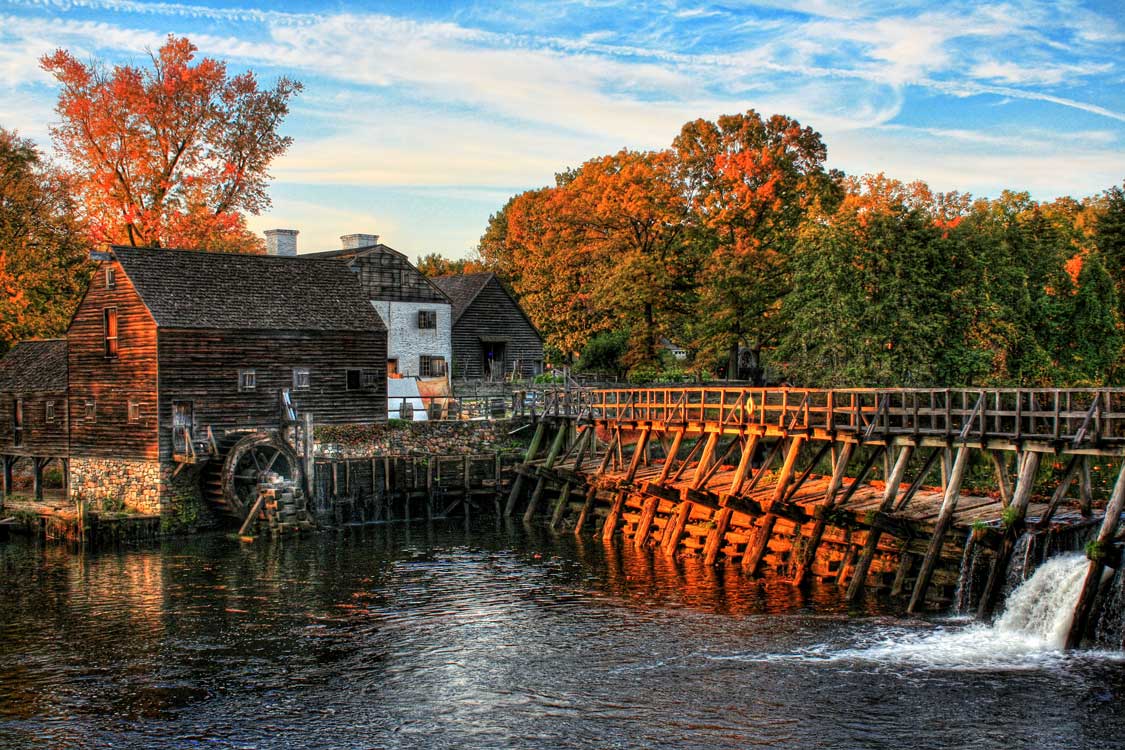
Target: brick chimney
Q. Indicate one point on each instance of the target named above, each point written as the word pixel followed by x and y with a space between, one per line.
pixel 281 242
pixel 353 241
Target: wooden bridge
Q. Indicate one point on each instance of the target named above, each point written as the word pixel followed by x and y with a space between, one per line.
pixel 861 487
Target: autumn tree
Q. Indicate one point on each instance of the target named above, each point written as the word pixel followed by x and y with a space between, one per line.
pixel 435 264
pixel 751 181
pixel 171 155
pixel 43 255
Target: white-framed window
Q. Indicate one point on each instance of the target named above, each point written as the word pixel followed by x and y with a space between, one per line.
pixel 427 319
pixel 134 411
pixel 430 366
pixel 49 412
pixel 247 380
pixel 110 278
pixel 300 378
pixel 89 411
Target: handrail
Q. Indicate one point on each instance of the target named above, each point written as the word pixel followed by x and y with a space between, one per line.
pixel 1079 416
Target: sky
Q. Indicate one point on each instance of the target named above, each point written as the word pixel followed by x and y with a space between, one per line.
pixel 420 119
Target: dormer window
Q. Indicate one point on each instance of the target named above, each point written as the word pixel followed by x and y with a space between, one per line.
pixel 109 331
pixel 427 319
pixel 110 278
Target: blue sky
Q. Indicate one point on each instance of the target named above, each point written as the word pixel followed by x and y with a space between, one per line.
pixel 419 119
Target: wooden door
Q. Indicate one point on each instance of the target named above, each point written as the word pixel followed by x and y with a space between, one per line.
pixel 183 419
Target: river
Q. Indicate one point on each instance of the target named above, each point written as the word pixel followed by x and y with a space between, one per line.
pixel 440 636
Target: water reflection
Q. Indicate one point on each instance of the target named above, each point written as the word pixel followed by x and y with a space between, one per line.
pixel 491 636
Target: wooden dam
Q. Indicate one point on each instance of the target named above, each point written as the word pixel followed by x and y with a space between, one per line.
pixel 864 488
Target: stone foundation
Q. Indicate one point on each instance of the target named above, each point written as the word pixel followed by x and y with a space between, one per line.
pixel 132 484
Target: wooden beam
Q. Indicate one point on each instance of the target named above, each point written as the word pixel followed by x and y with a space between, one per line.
pixel 716 536
pixel 838 473
pixel 638 454
pixel 610 525
pixel 587 507
pixel 871 544
pixel 748 447
pixel 1073 468
pixel 670 458
pixel 1085 606
pixel 753 558
pixel 705 459
pixel 644 525
pixel 944 520
pixel 674 529
pixel 999 464
pixel 560 506
pixel 1013 527
pixel 1086 489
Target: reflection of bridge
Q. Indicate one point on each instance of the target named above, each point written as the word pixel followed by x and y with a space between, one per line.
pixel 762 476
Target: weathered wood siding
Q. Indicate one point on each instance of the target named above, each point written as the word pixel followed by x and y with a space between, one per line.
pixel 40 437
pixel 494 314
pixel 387 275
pixel 112 383
pixel 203 367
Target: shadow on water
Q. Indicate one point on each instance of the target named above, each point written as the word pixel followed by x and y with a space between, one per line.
pixel 501 636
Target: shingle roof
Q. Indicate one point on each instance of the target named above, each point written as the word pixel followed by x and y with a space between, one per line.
pixel 462 289
pixel 191 289
pixel 34 366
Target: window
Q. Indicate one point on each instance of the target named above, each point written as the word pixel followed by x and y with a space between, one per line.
pixel 427 318
pixel 392 368
pixel 110 278
pixel 300 378
pixel 17 421
pixel 89 411
pixel 354 380
pixel 247 380
pixel 369 380
pixel 431 367
pixel 109 330
pixel 134 411
pixel 49 413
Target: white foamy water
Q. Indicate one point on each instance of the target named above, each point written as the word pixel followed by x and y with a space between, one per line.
pixel 1029 634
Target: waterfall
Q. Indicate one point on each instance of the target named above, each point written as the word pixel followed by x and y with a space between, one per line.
pixel 1029 634
pixel 1041 608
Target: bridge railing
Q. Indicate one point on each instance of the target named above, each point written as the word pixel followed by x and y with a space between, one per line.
pixel 1078 416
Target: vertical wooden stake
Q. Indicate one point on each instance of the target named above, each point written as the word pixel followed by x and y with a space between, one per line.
pixel 614 515
pixel 944 520
pixel 717 536
pixel 586 508
pixel 560 506
pixel 645 524
pixel 1086 488
pixel 753 557
pixel 808 556
pixel 671 459
pixel 675 528
pixel 1021 497
pixel 871 544
pixel 1084 609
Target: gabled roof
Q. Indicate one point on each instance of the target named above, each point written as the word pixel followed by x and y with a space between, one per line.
pixel 378 289
pixel 38 365
pixel 462 289
pixel 192 289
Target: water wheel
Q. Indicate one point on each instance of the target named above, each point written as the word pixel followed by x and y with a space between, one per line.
pixel 245 460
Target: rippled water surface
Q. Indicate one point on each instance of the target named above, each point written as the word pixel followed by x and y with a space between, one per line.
pixel 434 637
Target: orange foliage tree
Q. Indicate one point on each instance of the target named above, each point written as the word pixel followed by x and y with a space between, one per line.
pixel 174 155
pixel 43 255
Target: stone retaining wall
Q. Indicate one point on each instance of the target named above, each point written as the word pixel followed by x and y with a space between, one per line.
pixel 134 484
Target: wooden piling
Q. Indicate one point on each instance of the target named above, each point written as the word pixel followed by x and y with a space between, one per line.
pixel 532 451
pixel 871 544
pixel 587 507
pixel 753 558
pixel 821 522
pixel 675 528
pixel 1021 497
pixel 560 506
pixel 644 525
pixel 1083 610
pixel 945 518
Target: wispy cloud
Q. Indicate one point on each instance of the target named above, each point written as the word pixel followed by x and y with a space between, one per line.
pixel 501 95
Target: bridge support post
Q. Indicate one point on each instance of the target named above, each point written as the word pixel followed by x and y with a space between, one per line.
pixel 675 528
pixel 552 456
pixel 645 524
pixel 809 555
pixel 753 557
pixel 945 519
pixel 1021 497
pixel 532 451
pixel 560 506
pixel 587 507
pixel 1082 611
pixel 871 544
